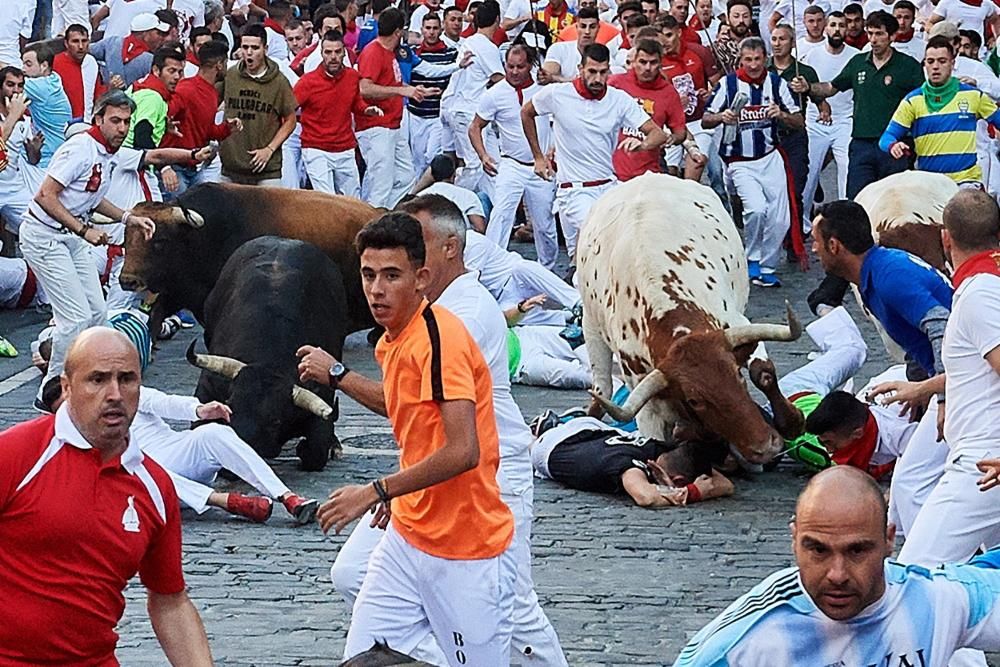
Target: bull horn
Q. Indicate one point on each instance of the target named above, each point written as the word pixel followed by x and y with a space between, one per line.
pixel 187 216
pixel 224 366
pixel 310 402
pixel 648 387
pixel 755 333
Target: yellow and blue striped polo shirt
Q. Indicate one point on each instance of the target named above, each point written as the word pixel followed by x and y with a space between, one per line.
pixel 945 140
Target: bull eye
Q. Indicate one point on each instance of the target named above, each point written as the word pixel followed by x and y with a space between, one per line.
pixel 694 403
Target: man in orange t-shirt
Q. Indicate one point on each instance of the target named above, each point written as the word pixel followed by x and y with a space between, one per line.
pixel 437 568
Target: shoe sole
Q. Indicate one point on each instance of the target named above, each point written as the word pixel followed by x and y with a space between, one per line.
pixel 307 513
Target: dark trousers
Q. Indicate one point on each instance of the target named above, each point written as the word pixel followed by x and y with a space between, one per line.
pixel 867 164
pixel 796 149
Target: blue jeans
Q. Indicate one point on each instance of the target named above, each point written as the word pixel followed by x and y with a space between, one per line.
pixel 188 177
pixel 867 164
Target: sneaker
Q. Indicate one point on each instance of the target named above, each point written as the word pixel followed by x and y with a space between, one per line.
pixel 753 269
pixel 572 334
pixel 6 348
pixel 256 508
pixel 543 423
pixel 186 318
pixel 302 509
pixel 767 280
pixel 576 313
pixel 170 327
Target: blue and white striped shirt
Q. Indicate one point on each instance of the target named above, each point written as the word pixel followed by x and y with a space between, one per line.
pixel 757 134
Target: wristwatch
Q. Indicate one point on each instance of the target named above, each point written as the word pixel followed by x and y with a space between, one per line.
pixel 337 373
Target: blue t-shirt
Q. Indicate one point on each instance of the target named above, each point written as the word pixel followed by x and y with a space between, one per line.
pixel 369 31
pixel 50 112
pixel 899 289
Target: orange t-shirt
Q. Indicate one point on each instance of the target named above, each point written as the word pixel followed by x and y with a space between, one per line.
pixel 605 33
pixel 434 359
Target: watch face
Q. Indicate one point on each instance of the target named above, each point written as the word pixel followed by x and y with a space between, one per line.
pixel 337 369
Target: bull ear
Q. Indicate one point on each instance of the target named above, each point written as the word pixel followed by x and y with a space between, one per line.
pixel 743 352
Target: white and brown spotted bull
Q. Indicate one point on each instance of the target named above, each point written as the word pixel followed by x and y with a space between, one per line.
pixel 663 277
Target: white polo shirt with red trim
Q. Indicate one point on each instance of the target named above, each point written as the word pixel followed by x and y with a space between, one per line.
pixel 73 531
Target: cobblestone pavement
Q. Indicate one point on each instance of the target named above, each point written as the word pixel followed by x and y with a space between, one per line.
pixel 622 585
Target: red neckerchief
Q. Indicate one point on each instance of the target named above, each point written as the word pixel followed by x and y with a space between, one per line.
pixel 656 84
pixel 625 43
pixel 858 42
pixel 520 89
pixel 903 36
pixel 973 3
pixel 585 93
pixel 352 25
pixel 742 75
pixel 469 31
pixel 95 132
pixel 132 48
pixel 987 261
pixel 858 453
pixel 427 48
pixel 299 61
pixel 193 58
pixel 269 23
pixel 151 82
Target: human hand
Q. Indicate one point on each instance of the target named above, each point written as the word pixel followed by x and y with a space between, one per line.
pixel 206 153
pixel 466 60
pixel 899 150
pixel 699 158
pixel 420 93
pixel 992 477
pixel 345 505
pixel 773 111
pixel 260 157
pixel 630 144
pixel 799 85
pixel 763 374
pixel 374 111
pixel 940 421
pixel 117 82
pixel 314 364
pixel 33 148
pixel 729 117
pixel 214 410
pixel 94 236
pixel 532 302
pixel 17 104
pixel 147 226
pixel 170 180
pixel 235 124
pixel 489 165
pixel 543 168
pixel 913 396
pixel 825 113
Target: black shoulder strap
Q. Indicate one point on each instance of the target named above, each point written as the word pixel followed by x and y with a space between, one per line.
pixel 437 383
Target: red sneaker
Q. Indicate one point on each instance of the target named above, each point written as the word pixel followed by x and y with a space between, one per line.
pixel 302 509
pixel 256 508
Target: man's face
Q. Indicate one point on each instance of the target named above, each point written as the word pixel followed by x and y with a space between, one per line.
pixel 586 32
pixel 595 76
pixel 453 24
pixel 333 56
pixel 154 39
pixel 331 23
pixel 703 8
pixel 968 49
pixel 855 24
pixel 199 42
pixel 114 125
pixel 904 17
pixel 392 286
pixel 103 393
pixel 671 40
pixel 650 10
pixel 351 12
pixel 646 66
pixel 587 3
pixel 814 26
pixel 836 28
pixel 752 61
pixel 828 251
pixel 442 250
pixel 32 67
pixel 170 73
pixel 253 52
pixel 878 38
pixel 296 39
pixel 840 556
pixel 77 45
pixel 834 441
pixel 11 84
pixel 431 31
pixel 781 43
pixel 938 64
pixel 679 10
pixel 517 69
pixel 433 4
pixel 739 21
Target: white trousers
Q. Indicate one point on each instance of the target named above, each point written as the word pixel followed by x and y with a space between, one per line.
pixel 674 156
pixel 13 205
pixel 843 352
pixel 823 138
pixel 917 471
pixel 389 169
pixel 547 360
pixel 425 141
pixel 333 173
pixel 530 278
pixel 534 639
pixel 514 181
pixel 408 595
pixel 762 186
pixel 471 174
pixel 293 173
pixel 574 205
pixel 193 459
pixel 64 266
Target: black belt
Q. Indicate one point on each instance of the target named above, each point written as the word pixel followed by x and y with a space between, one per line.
pixel 61 229
pixel 514 159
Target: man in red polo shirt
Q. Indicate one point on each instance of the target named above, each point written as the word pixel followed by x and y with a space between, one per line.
pixel 327 96
pixel 82 510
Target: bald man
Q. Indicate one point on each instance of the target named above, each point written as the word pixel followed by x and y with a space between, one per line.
pixel 81 512
pixel 845 603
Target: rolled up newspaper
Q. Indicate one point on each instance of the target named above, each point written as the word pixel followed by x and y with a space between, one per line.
pixel 729 131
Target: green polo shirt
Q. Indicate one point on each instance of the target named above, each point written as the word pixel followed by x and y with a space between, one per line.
pixel 877 92
pixel 809 74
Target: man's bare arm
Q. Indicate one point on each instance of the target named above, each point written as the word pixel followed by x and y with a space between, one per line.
pixel 179 629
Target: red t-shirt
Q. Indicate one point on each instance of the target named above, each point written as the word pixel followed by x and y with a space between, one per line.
pixel 378 64
pixel 72 536
pixel 194 105
pixel 328 104
pixel 686 71
pixel 661 102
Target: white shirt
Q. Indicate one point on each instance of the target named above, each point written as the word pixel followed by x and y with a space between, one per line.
pixel 470 85
pixel 965 16
pixel 972 386
pixel 481 315
pixel 870 6
pixel 417 18
pixel 567 55
pixel 84 168
pixel 10 178
pixel 784 8
pixel 828 66
pixel 18 17
pixel 501 105
pixel 123 11
pixel 192 15
pixel 986 80
pixel 518 8
pixel 67 12
pixel 149 428
pixel 465 199
pixel 805 46
pixel 495 265
pixel 586 131
pixel 277 47
pixel 914 48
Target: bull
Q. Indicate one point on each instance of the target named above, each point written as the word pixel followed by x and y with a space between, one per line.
pixel 273 296
pixel 380 655
pixel 204 227
pixel 663 278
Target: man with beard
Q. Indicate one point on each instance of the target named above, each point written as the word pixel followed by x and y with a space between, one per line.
pixel 739 18
pixel 856 35
pixel 151 95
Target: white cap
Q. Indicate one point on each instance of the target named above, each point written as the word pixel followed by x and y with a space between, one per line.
pixel 147 21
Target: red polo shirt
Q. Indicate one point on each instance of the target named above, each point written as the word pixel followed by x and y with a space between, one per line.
pixel 194 105
pixel 378 64
pixel 660 101
pixel 327 104
pixel 686 71
pixel 73 531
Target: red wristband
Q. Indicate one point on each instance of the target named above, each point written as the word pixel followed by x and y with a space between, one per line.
pixel 694 495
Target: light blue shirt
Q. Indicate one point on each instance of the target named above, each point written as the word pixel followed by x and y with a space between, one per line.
pixel 50 112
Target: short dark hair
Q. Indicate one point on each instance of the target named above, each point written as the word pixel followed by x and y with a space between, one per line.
pixel 847 222
pixel 325 12
pixel 77 28
pixel 813 9
pixel 279 9
pixel 839 412
pixel 882 19
pixel 212 53
pixel 629 5
pixel 44 52
pixel 650 46
pixel 165 53
pixel 342 5
pixel 752 44
pixel 972 36
pixel 333 36
pixel 379 6
pixel 972 219
pixel 738 3
pixel 254 30
pixel 905 4
pixel 390 21
pixel 430 16
pixel 449 9
pixel 10 70
pixel 636 21
pixel 442 167
pixel 221 38
pixel 596 52
pixel 487 13
pixel 529 53
pixel 940 42
pixel 667 21
pixel 689 459
pixel 853 8
pixel 113 98
pixel 649 2
pixel 200 31
pixel 294 24
pixel 169 17
pixel 588 13
pixel 836 14
pixel 394 230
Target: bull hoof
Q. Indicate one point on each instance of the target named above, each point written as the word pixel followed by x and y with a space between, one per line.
pixel 312 458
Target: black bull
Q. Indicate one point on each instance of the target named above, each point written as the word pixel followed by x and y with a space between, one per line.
pixel 273 296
